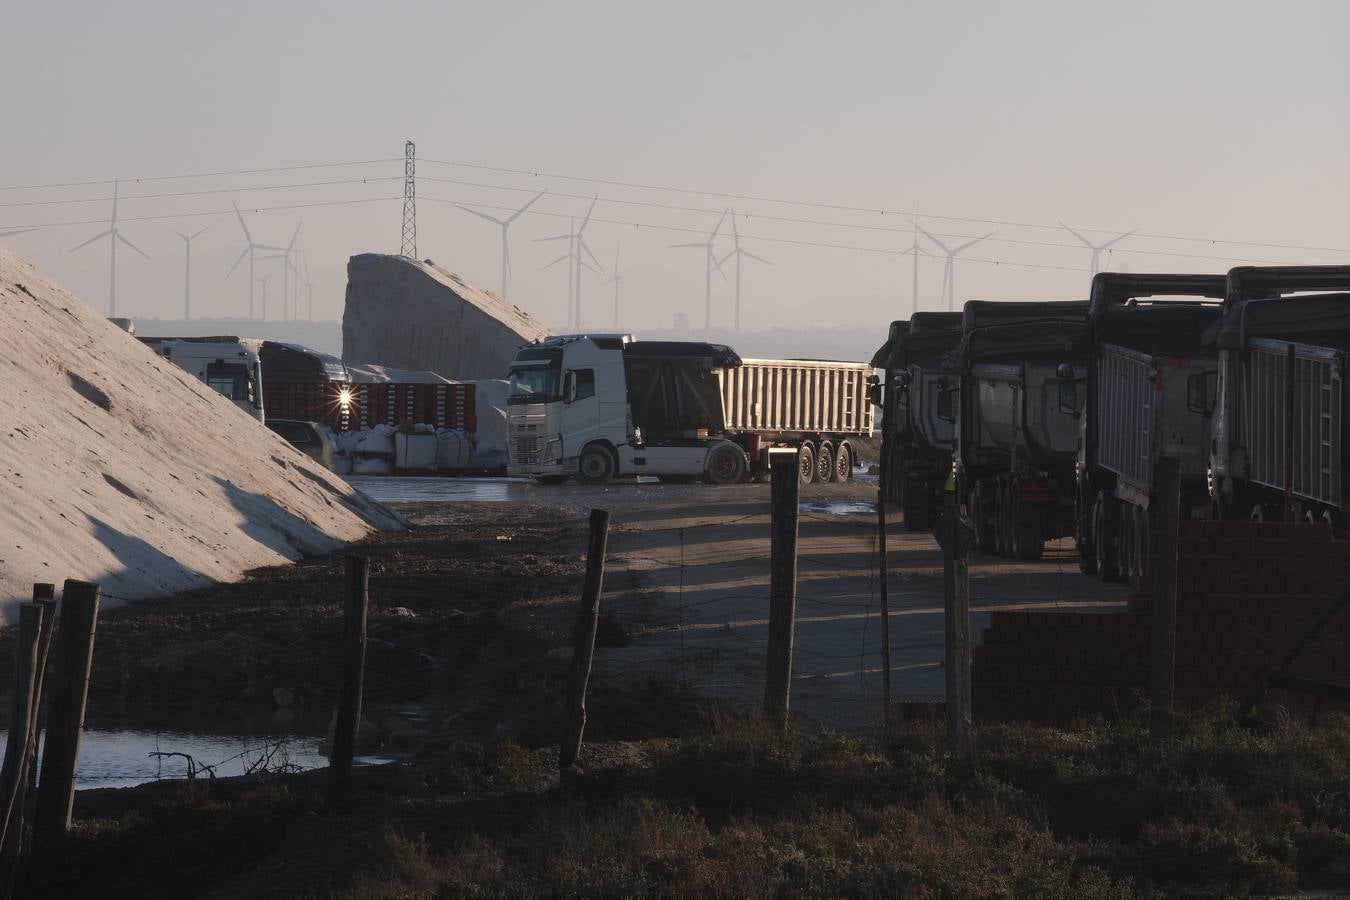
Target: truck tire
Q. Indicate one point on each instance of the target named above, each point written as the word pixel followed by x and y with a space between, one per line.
pixel 843 463
pixel 824 462
pixel 1103 543
pixel 1002 518
pixel 1028 532
pixel 981 511
pixel 806 462
pixel 551 480
pixel 726 465
pixel 596 465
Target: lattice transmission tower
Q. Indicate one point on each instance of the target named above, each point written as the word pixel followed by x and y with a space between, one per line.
pixel 409 248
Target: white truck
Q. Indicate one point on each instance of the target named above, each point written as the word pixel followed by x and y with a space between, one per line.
pixel 228 365
pixel 604 405
pixel 1279 449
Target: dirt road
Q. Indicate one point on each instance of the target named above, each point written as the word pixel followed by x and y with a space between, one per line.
pixel 688 578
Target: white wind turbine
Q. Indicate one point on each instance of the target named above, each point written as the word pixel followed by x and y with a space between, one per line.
pixel 504 224
pixel 289 298
pixel 113 235
pixel 710 263
pixel 265 279
pixel 1097 248
pixel 616 279
pixel 737 251
pixel 187 267
pixel 250 250
pixel 912 250
pixel 309 286
pixel 949 270
pixel 13 231
pixel 576 243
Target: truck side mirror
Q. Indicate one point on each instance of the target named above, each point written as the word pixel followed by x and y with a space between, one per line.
pixel 1068 397
pixel 1065 371
pixel 874 390
pixel 1199 397
pixel 946 404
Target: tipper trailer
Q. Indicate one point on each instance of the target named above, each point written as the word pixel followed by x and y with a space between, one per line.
pixel 1279 446
pixel 605 405
pixel 1150 389
pixel 918 426
pixel 1016 427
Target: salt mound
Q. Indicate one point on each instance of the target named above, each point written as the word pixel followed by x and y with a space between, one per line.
pixel 118 467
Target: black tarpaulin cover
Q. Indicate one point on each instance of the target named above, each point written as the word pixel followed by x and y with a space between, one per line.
pixel 1017 343
pixel 1301 318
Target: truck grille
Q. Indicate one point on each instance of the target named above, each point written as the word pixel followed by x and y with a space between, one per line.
pixel 525 451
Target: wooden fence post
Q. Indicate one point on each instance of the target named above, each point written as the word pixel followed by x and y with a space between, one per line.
pixel 14 774
pixel 955 536
pixel 583 647
pixel 1166 509
pixel 347 723
pixel 882 577
pixel 65 714
pixel 16 856
pixel 785 489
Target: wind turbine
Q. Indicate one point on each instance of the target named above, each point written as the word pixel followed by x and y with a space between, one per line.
pixel 616 279
pixel 187 268
pixel 265 279
pixel 309 286
pixel 949 270
pixel 710 263
pixel 504 224
pixel 113 235
pixel 912 249
pixel 14 231
pixel 576 243
pixel 250 250
pixel 1097 248
pixel 738 252
pixel 288 301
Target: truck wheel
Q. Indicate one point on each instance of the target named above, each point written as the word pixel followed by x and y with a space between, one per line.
pixel 726 465
pixel 1029 527
pixel 1003 540
pixel 806 462
pixel 596 465
pixel 980 511
pixel 1103 542
pixel 1125 547
pixel 551 480
pixel 824 462
pixel 843 463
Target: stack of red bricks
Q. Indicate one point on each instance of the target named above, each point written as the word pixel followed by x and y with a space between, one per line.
pixel 1245 594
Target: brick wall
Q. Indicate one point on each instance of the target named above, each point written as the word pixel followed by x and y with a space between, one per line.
pixel 1245 593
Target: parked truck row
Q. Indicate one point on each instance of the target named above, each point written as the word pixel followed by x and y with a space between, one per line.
pixel 1059 412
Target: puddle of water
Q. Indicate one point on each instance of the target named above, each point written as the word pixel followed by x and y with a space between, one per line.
pixel 402 489
pixel 122 757
pixel 840 507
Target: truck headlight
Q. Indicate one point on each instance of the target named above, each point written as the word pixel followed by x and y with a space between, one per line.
pixel 553 450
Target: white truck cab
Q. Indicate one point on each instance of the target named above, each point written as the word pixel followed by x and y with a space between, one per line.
pixel 228 365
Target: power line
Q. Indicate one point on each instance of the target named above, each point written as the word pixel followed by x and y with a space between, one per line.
pixel 865 209
pixel 359 162
pixel 197 215
pixel 776 240
pixel 230 190
pixel 833 224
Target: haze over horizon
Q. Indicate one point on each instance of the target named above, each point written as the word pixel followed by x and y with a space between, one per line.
pixel 1214 120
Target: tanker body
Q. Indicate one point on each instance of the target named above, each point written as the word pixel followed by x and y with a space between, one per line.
pixel 1150 391
pixel 1279 447
pixel 1016 428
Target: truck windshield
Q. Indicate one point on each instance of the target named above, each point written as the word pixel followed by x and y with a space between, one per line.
pixel 535 375
pixel 234 380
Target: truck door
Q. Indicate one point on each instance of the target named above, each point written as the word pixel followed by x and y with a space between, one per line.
pixel 580 418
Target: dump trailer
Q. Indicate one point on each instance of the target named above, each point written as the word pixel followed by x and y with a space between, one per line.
pixel 1150 386
pixel 228 365
pixel 600 406
pixel 1279 445
pixel 920 445
pixel 1016 422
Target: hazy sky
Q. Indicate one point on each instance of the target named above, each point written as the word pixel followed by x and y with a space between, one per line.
pixel 1222 119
